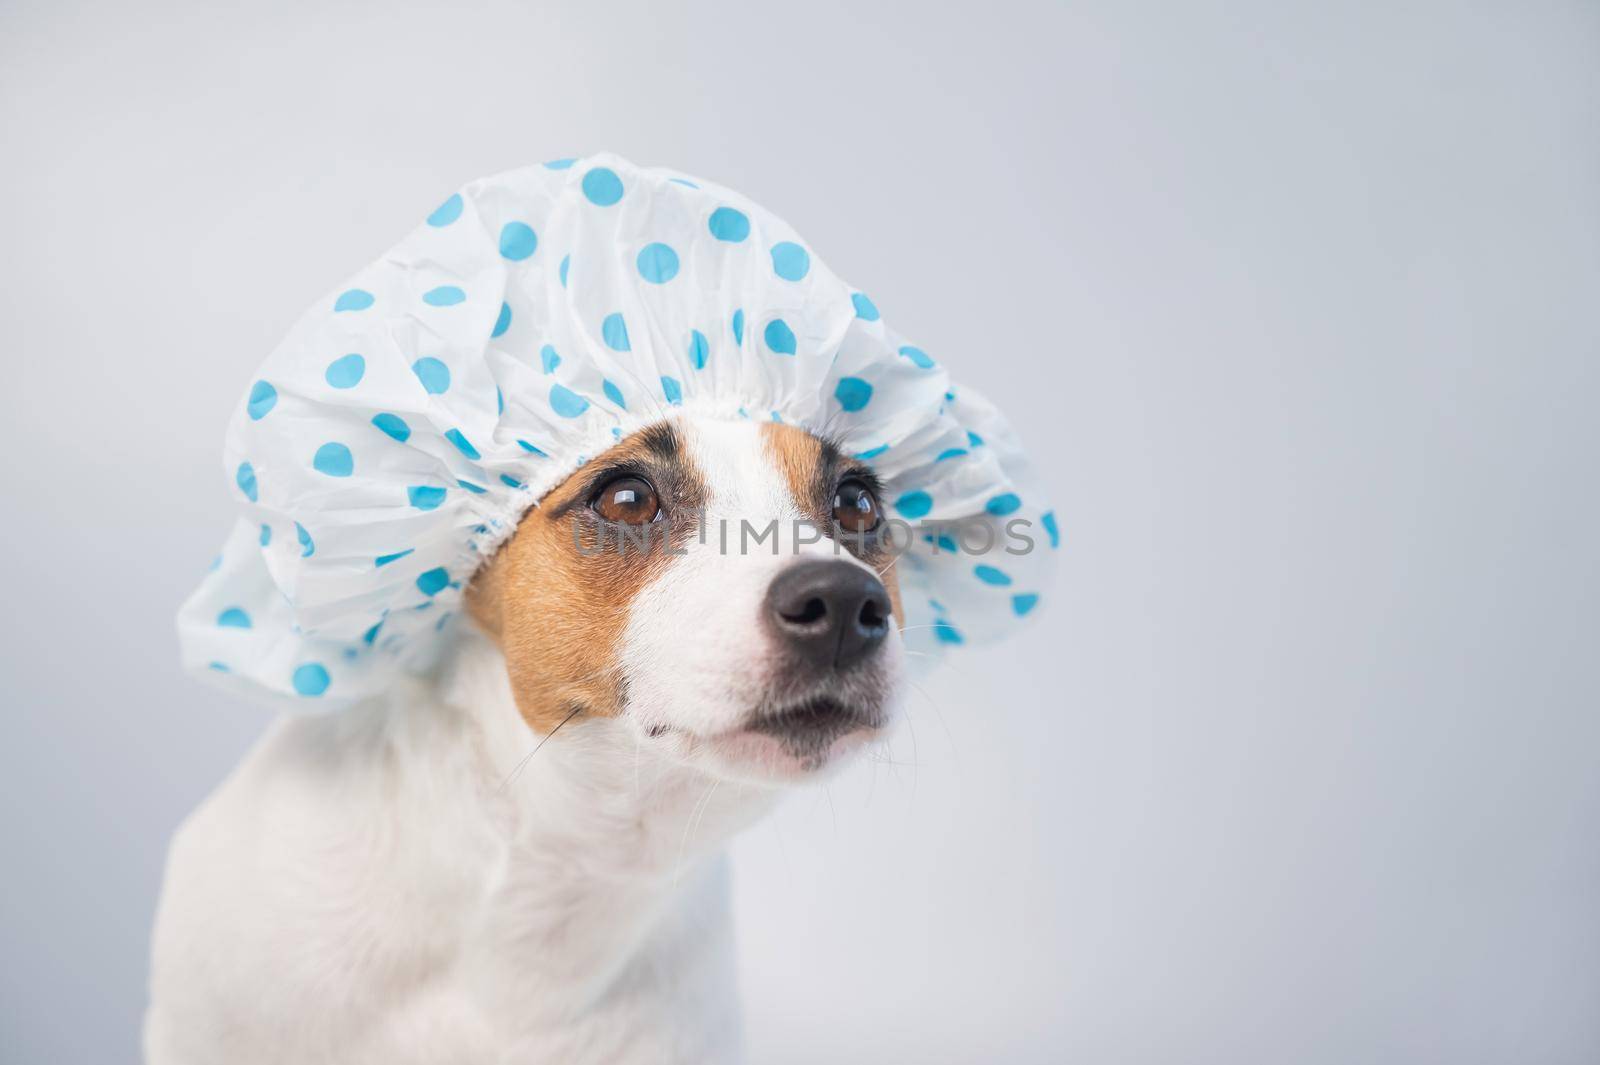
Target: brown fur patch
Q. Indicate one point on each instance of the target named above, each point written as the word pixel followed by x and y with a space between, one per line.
pixel 557 594
pixel 812 468
pixel 799 457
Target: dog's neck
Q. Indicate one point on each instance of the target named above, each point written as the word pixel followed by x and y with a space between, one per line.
pixel 610 853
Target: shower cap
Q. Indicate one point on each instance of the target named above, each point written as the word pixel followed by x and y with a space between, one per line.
pixel 394 439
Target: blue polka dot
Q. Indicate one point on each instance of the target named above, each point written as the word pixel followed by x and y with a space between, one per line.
pixel 567 403
pixel 914 504
pixel 991 575
pixel 263 397
pixel 658 263
pixel 434 375
pixel 852 393
pixel 502 323
pixel 393 426
pixel 384 560
pixel 531 449
pixel 947 633
pixel 517 241
pixel 672 390
pixel 549 359
pixel 559 164
pixel 1003 504
pixel 866 310
pixel 946 544
pixel 950 453
pixel 872 452
pixel 566 261
pixel 738 326
pixel 974 439
pixel 443 296
pixel 699 349
pixel 613 393
pixel 334 460
pixel 729 225
pixel 499 402
pixel 307 546
pixel 371 634
pixel 311 679
pixel 511 482
pixel 463 445
pixel 425 496
pixel 266 535
pixel 245 478
pixel 790 261
pixel 683 181
pixel 446 212
pixel 434 581
pixel 355 299
pixel 475 489
pixel 1049 523
pixel 346 371
pixel 602 186
pixel 1021 604
pixel 920 358
pixel 779 337
pixel 614 331
pixel 233 618
pixel 220 667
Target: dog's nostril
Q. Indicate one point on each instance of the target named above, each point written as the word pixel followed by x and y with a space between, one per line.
pixel 874 614
pixel 811 611
pixel 829 613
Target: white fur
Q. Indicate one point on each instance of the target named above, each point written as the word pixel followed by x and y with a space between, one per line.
pixel 401 883
pixel 695 647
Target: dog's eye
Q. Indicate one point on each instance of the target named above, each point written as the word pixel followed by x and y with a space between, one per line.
pixel 627 500
pixel 855 508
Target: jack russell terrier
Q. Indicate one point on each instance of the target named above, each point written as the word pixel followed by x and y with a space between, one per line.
pixel 520 858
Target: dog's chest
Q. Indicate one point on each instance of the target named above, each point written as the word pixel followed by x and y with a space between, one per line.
pixel 415 906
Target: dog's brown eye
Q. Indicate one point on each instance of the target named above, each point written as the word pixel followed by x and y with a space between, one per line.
pixel 855 508
pixel 628 500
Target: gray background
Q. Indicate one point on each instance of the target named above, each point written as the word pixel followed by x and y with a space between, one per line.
pixel 1296 305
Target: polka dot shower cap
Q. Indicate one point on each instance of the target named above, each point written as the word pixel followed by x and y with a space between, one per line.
pixel 394 439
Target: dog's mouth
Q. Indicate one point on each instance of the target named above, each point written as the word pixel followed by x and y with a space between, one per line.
pixel 792 738
pixel 802 737
pixel 807 729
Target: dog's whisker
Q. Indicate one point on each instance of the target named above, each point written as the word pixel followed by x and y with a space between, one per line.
pixel 542 741
pixel 683 842
pixel 916 756
pixel 938 711
pixel 705 807
pixel 610 670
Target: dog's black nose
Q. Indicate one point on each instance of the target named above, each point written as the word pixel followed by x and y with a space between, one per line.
pixel 832 613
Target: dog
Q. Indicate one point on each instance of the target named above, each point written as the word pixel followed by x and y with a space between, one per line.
pixel 520 857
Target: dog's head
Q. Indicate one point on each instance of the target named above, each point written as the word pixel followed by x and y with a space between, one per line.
pixel 715 586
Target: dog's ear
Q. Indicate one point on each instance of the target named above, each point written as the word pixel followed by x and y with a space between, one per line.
pixel 484 596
